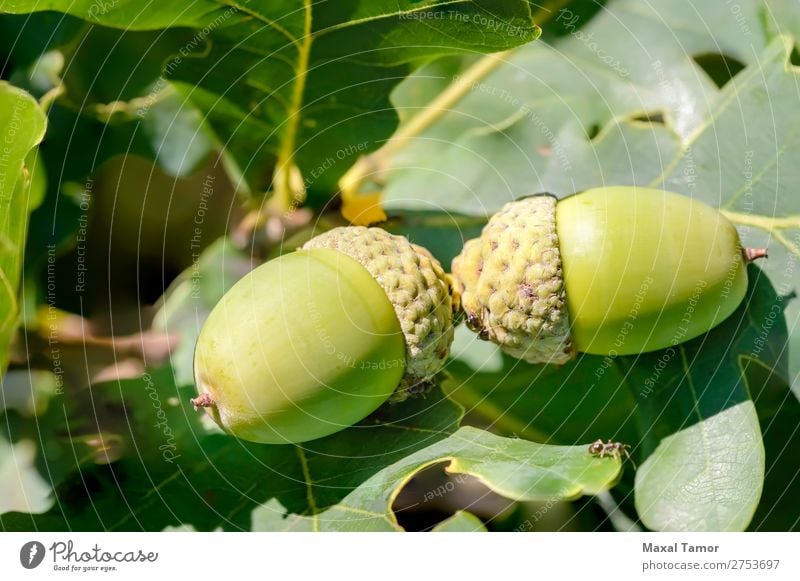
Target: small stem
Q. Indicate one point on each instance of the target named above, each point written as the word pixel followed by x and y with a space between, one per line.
pixel 283 194
pixel 620 520
pixel 763 222
pixel 443 103
pixel 202 401
pixel 751 254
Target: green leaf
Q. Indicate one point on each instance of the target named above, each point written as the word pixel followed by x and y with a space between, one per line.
pixel 461 522
pixel 110 70
pixel 136 15
pixel 111 79
pixel 176 133
pixel 104 74
pixel 296 83
pixel 707 477
pixel 22 127
pixel 515 468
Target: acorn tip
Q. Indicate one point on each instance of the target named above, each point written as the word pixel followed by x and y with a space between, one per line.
pixel 751 254
pixel 201 401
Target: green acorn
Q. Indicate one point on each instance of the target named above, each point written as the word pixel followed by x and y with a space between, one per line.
pixel 314 341
pixel 610 271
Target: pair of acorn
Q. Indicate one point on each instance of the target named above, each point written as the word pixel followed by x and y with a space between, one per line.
pixel 313 342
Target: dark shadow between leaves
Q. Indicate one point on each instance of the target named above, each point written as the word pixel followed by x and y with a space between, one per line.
pixel 794 58
pixel 442 233
pixel 719 67
pixel 653 118
pixel 433 495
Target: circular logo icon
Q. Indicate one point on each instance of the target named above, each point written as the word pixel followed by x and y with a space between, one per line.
pixel 31 554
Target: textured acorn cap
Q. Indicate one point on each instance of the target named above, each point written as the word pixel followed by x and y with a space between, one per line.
pixel 510 285
pixel 417 287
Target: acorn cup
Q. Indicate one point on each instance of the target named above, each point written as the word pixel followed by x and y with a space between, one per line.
pixel 610 271
pixel 313 342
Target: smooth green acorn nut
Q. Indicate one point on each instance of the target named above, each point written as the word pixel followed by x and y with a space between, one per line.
pixel 313 342
pixel 302 347
pixel 610 271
